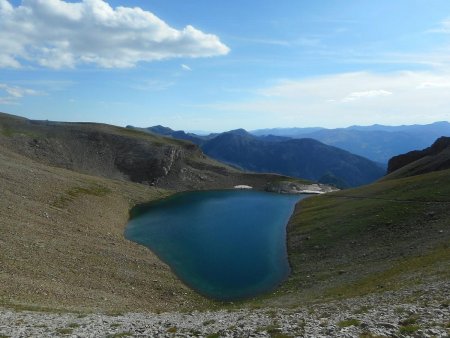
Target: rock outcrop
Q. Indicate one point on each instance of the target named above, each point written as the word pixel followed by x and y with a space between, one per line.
pixel 121 153
pixel 297 187
pixel 434 158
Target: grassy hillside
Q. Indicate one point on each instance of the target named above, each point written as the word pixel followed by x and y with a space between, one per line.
pixel 388 235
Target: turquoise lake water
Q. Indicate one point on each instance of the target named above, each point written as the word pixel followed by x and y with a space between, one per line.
pixel 226 245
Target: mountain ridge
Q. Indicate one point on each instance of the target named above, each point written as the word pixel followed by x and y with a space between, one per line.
pixel 301 158
pixel 433 158
pixel 377 142
pixel 123 154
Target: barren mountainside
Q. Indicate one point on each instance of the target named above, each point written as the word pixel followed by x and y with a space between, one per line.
pixel 120 153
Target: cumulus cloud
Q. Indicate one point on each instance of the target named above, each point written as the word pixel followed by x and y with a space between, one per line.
pixel 60 34
pixel 12 94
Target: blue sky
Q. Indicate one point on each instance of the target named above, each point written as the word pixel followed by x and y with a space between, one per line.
pixel 220 65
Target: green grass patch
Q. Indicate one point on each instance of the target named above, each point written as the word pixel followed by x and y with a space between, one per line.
pixel 271 313
pixel 274 331
pixel 70 195
pixel 390 278
pixel 65 331
pixel 399 310
pixel 349 322
pixel 280 335
pixel 10 131
pixel 120 335
pixel 172 330
pixel 6 131
pixel 409 329
pixel 213 335
pixel 33 308
pixel 409 321
pixel 362 310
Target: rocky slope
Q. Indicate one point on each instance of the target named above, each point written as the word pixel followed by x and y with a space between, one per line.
pixel 62 244
pixel 120 153
pixel 102 150
pixel 390 314
pixel 434 158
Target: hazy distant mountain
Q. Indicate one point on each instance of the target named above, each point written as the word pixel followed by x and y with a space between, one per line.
pixel 178 134
pixel 304 158
pixel 436 127
pixel 289 132
pixel 378 143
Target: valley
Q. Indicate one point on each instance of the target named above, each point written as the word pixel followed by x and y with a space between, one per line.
pixel 66 194
pixel 224 169
pixel 303 158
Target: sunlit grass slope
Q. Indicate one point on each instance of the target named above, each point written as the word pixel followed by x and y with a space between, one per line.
pixel 388 235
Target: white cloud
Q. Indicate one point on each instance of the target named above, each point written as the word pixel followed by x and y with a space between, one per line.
pixel 405 97
pixel 444 27
pixel 12 94
pixel 365 94
pixel 186 67
pixel 443 83
pixel 152 85
pixel 59 34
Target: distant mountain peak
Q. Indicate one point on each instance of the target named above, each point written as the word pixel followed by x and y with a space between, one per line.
pixel 159 129
pixel 240 131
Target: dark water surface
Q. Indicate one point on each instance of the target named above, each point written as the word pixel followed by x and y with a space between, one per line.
pixel 227 245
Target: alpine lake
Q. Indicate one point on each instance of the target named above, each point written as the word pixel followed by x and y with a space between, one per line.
pixel 227 245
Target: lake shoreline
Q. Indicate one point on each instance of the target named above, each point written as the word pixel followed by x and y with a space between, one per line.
pixel 138 230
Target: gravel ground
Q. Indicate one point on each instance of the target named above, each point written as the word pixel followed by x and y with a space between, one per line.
pixel 419 312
